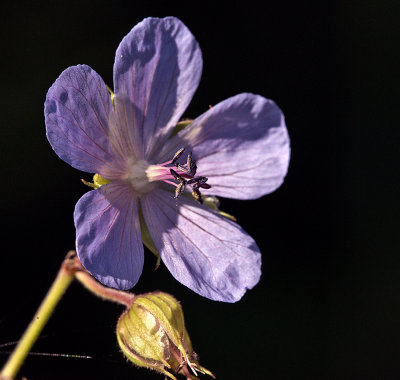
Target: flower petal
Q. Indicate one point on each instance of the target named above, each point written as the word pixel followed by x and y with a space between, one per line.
pixel 156 72
pixel 241 145
pixel 210 254
pixel 77 111
pixel 108 237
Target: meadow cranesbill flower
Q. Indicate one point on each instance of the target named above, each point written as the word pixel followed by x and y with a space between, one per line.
pixel 237 149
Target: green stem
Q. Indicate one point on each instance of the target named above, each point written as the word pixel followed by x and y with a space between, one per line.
pixel 60 284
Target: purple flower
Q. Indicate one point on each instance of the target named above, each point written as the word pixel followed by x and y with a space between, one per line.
pixel 239 149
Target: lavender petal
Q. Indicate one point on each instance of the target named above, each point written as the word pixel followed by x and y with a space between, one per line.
pixel 108 239
pixel 241 145
pixel 77 113
pixel 210 254
pixel 156 72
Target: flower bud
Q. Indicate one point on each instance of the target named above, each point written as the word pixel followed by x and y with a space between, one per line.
pixel 152 334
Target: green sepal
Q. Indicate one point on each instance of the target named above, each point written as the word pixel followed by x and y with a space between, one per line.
pixel 112 95
pixel 169 313
pixel 98 181
pixel 90 184
pixel 213 203
pixel 181 125
pixel 143 340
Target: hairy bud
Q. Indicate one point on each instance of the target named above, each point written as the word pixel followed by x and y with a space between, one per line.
pixel 152 334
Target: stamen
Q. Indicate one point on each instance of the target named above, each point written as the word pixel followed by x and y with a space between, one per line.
pixel 186 176
pixel 196 194
pixel 176 175
pixel 199 181
pixel 142 177
pixel 182 182
pixel 177 155
pixel 191 164
pixel 179 189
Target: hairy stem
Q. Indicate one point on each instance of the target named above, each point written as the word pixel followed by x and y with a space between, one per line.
pixel 109 294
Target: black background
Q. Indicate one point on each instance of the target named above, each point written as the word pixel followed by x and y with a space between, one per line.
pixel 328 303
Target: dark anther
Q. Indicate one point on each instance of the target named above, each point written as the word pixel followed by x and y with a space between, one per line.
pixel 205 186
pixel 191 164
pixel 196 184
pixel 179 189
pixel 190 167
pixel 177 155
pixel 196 194
pixel 177 176
pixel 183 168
pixel 199 182
pixel 189 160
pixel 182 182
pixel 189 170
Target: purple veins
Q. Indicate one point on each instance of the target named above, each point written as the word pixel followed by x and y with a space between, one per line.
pixel 237 149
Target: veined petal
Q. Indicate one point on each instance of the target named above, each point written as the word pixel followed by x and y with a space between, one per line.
pixel 156 72
pixel 77 111
pixel 210 254
pixel 108 237
pixel 241 145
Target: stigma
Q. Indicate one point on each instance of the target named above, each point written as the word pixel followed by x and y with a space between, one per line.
pixel 142 176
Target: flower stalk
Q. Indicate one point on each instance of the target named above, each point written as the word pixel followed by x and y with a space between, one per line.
pixel 108 294
pixel 151 331
pixel 70 268
pixel 56 291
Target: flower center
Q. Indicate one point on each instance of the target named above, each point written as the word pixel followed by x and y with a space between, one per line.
pixel 137 178
pixel 142 176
